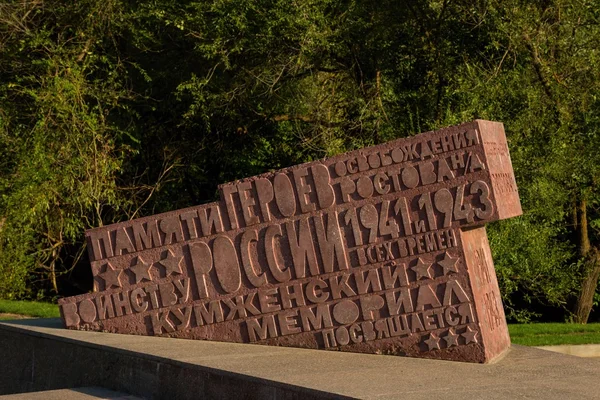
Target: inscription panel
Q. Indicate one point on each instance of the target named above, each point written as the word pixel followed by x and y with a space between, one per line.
pixel 488 302
pixel 361 252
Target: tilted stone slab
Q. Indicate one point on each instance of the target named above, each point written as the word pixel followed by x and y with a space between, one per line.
pixel 380 250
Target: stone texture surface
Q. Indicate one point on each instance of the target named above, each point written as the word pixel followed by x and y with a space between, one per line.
pixel 43 356
pixel 380 250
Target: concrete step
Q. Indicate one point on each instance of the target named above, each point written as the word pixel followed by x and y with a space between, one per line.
pixel 579 350
pixel 41 355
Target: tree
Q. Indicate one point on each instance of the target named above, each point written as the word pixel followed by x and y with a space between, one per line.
pixel 62 155
pixel 111 110
pixel 541 77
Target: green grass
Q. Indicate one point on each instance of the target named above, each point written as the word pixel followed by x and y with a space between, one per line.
pixel 550 334
pixel 539 334
pixel 29 308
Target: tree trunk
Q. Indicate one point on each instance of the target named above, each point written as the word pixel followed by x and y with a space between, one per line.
pixel 591 268
pixel 585 300
pixel 53 270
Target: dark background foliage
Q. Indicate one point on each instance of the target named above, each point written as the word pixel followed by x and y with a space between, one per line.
pixel 115 109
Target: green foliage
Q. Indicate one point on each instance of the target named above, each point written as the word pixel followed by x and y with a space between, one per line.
pixel 111 110
pixel 542 80
pixel 532 264
pixel 62 155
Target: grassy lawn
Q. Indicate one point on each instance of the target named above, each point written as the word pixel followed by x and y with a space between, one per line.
pixel 554 334
pixel 28 308
pixel 539 334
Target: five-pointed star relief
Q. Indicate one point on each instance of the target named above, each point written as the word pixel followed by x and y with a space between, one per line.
pixel 141 270
pixel 451 338
pixel 111 277
pixel 422 269
pixel 448 263
pixel 172 263
pixel 433 342
pixel 469 335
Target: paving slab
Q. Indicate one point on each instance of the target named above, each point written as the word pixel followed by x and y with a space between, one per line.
pixel 579 350
pixel 154 367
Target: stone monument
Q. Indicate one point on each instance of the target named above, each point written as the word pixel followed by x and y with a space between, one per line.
pixel 379 250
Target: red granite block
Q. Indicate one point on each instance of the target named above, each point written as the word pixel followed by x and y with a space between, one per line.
pixel 379 250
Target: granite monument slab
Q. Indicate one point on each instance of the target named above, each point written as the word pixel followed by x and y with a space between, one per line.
pixel 380 250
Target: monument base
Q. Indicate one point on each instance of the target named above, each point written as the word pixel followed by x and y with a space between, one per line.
pixel 41 355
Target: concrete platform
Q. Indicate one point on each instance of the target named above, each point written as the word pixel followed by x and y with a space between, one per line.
pixel 579 350
pixel 40 355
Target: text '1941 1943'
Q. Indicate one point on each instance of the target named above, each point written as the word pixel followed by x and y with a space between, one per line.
pixel 380 250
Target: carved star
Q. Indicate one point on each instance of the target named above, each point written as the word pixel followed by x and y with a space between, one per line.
pixel 422 269
pixel 469 335
pixel 111 277
pixel 141 270
pixel 171 263
pixel 449 264
pixel 451 338
pixel 433 342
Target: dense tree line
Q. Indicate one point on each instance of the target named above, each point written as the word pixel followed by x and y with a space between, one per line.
pixel 114 109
